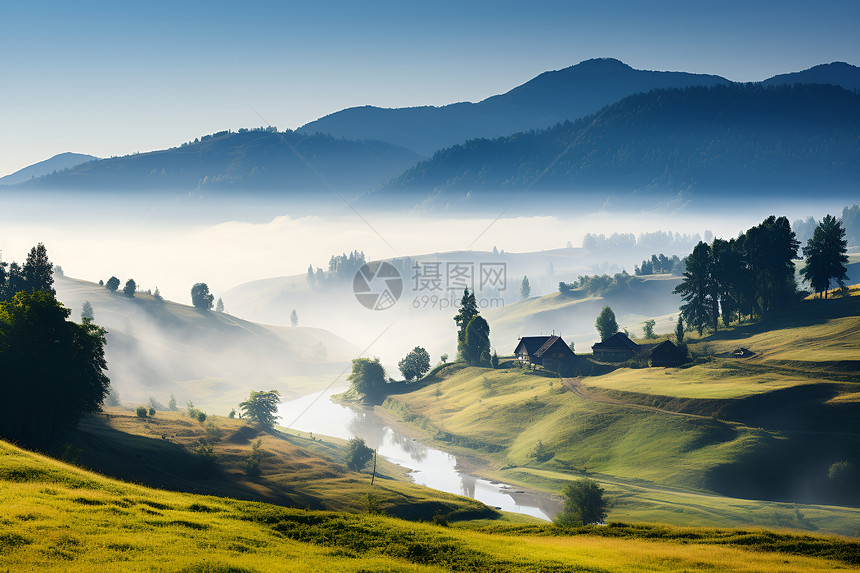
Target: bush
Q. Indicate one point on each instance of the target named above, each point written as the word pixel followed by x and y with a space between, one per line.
pixel 584 503
pixel 141 411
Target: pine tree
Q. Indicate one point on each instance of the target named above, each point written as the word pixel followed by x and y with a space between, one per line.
pixel 825 254
pixel 38 272
pixel 219 306
pixel 129 288
pixel 525 288
pixel 294 318
pixel 87 312
pixel 468 309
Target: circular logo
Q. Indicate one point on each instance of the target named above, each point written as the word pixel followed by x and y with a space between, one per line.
pixel 377 285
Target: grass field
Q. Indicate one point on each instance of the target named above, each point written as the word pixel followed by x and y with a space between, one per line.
pixel 55 517
pixel 665 440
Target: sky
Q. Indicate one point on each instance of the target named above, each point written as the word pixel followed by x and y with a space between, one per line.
pixel 113 78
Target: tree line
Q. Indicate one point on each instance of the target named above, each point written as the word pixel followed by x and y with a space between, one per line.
pixel 754 274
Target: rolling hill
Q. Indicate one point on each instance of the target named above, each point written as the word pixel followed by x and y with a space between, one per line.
pixel 731 139
pixel 214 359
pixel 57 517
pixel 768 427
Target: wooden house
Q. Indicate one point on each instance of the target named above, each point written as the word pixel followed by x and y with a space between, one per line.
pixel 667 355
pixel 616 348
pixel 549 352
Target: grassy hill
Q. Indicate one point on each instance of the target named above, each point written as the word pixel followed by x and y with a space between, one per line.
pixel 173 451
pixel 766 428
pixel 56 517
pixel 214 359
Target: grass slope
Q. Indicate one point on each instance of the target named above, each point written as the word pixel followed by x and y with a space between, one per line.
pixel 165 451
pixel 763 428
pixel 55 517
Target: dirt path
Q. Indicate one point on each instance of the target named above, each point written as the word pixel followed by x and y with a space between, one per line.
pixel 575 386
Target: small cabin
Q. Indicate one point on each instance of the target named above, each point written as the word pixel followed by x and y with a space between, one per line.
pixel 549 352
pixel 742 353
pixel 667 355
pixel 616 348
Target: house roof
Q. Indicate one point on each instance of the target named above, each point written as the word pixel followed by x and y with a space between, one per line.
pixel 537 346
pixel 667 346
pixel 618 341
pixel 532 344
pixel 549 344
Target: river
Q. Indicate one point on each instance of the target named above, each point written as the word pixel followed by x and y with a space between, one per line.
pixel 428 466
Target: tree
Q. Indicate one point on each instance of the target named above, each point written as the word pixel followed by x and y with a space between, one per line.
pixel 262 407
pixel 679 331
pixel 648 328
pixel 141 411
pixel 171 404
pixel 584 503
pixel 53 369
pixel 494 359
pixel 157 295
pixel 367 377
pixel 219 306
pixel 698 289
pixel 468 309
pixel 825 254
pixel 605 323
pixel 294 318
pixel 415 364
pixel 38 271
pixel 129 288
pixel 477 348
pixel 525 288
pixel 357 454
pixel 112 284
pixel 200 296
pixel 87 312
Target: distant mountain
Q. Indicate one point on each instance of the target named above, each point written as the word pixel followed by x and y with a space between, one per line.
pixel 55 163
pixel 837 74
pixel 731 138
pixel 250 160
pixel 549 98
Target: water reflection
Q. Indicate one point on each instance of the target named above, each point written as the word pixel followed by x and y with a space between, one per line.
pixel 316 413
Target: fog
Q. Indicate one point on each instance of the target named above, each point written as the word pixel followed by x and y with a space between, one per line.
pixel 235 245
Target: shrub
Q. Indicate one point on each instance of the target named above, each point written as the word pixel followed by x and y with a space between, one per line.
pixel 584 503
pixel 141 411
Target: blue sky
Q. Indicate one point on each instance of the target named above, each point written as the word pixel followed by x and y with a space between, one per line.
pixel 111 78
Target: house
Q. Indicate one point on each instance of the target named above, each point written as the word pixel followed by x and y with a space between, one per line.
pixel 616 348
pixel 667 355
pixel 549 352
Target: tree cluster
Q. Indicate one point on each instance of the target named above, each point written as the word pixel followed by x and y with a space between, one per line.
pixel 340 268
pixel 53 369
pixel 747 276
pixel 37 274
pixel 660 264
pixel 473 334
pixel 599 285
pixel 367 377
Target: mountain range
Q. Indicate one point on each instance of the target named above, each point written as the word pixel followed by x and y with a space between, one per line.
pixel 363 149
pixel 737 137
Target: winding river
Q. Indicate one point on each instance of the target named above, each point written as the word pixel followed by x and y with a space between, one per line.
pixel 428 466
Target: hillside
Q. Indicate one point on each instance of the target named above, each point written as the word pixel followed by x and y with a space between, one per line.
pixel 764 428
pixel 543 101
pixel 251 160
pixel 55 163
pixel 214 359
pixel 837 74
pixel 732 139
pixel 56 517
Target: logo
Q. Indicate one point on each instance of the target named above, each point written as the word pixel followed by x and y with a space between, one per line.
pixel 377 285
